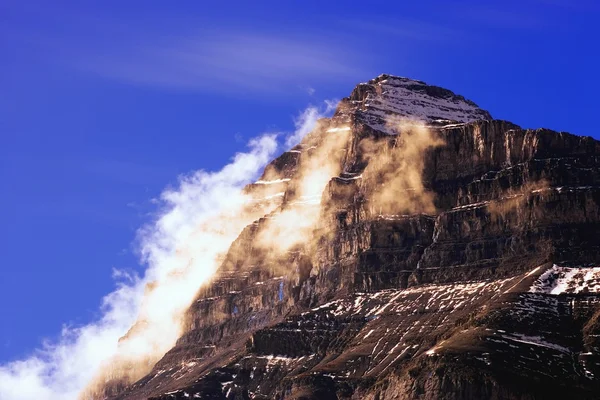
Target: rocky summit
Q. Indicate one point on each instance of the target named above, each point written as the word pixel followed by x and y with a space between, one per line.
pixel 446 255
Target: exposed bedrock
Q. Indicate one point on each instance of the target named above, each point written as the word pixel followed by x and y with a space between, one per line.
pixel 464 266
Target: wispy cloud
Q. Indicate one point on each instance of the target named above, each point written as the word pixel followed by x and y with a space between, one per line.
pixel 310 91
pixel 227 62
pixel 185 52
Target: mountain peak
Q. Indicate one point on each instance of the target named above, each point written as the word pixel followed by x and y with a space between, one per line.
pixel 451 262
pixel 374 102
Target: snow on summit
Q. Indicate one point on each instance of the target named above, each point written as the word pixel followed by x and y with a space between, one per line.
pixel 392 96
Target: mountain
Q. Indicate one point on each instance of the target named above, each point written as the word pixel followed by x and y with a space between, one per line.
pixel 418 249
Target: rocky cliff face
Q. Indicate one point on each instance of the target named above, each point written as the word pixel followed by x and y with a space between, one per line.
pixel 451 258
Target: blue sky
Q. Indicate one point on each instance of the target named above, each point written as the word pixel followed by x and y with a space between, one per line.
pixel 102 107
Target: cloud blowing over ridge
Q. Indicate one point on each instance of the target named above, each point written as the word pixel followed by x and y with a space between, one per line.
pixel 197 222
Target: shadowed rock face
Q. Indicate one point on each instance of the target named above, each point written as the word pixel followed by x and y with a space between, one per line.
pixel 492 294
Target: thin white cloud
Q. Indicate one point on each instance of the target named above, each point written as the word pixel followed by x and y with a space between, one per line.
pixel 228 62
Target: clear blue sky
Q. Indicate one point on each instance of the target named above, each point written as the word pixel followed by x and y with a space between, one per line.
pixel 101 107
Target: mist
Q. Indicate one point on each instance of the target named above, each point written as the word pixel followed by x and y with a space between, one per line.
pixel 397 169
pixel 321 161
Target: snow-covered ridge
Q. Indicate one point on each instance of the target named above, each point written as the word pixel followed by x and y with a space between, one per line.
pixel 564 280
pixel 397 97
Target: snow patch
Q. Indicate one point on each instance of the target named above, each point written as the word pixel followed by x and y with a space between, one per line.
pixel 346 128
pixel 564 280
pixel 261 182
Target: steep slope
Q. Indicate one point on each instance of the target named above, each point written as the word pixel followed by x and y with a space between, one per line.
pixel 421 250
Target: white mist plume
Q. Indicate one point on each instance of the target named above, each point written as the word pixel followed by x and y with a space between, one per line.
pixel 61 370
pixel 182 249
pixel 306 121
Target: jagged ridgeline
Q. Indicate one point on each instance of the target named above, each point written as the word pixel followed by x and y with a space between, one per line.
pixel 414 248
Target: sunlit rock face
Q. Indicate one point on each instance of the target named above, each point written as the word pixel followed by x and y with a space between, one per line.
pixel 421 250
